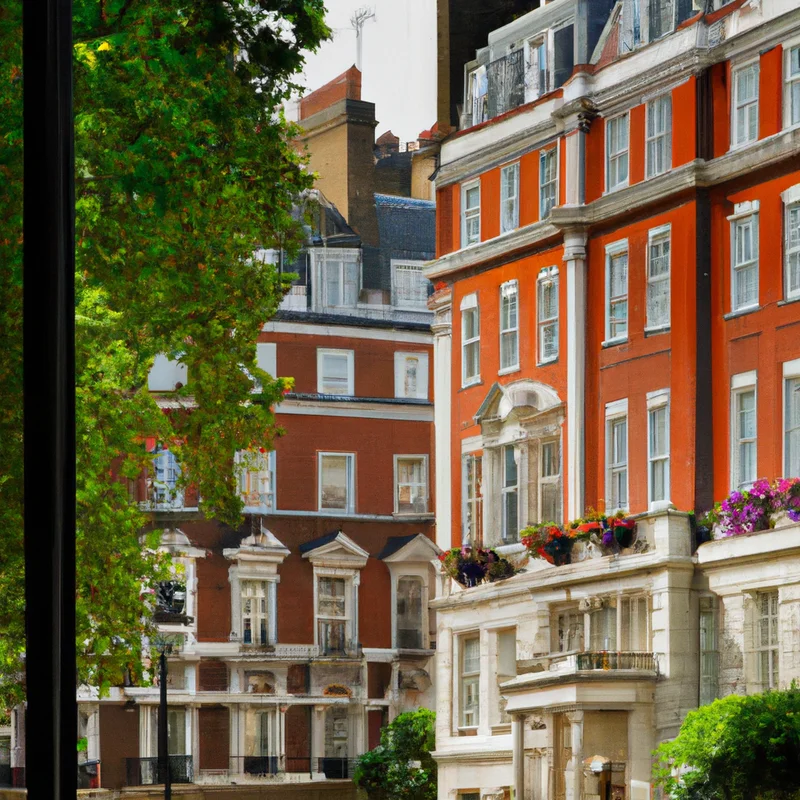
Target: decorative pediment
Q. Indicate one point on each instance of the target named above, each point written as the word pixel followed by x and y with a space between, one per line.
pixel 177 544
pixel 259 547
pixel 335 550
pixel 522 398
pixel 408 549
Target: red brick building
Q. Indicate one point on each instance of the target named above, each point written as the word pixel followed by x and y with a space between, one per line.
pixel 309 627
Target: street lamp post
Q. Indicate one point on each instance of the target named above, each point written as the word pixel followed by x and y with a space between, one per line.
pixel 163 744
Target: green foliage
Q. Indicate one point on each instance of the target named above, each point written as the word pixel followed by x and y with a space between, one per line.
pixel 184 166
pixel 401 766
pixel 737 748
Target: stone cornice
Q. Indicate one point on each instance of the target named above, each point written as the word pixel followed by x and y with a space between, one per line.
pixel 451 756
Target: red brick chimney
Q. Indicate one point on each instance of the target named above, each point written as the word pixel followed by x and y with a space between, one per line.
pixel 346 86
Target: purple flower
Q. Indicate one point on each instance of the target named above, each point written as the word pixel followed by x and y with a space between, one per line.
pixel 608 538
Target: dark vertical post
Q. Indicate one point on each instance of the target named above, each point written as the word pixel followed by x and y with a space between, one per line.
pixel 49 400
pixel 163 746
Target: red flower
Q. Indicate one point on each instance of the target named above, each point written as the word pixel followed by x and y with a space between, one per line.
pixel 262 449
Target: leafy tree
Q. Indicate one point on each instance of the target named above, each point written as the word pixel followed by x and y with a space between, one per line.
pixel 185 166
pixel 737 748
pixel 401 766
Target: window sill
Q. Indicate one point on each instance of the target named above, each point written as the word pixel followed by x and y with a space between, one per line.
pixel 789 300
pixel 741 312
pixel 617 188
pixel 656 331
pixel 613 342
pixel 413 515
pixel 548 362
pixel 469 385
pixel 743 145
pixel 655 175
pixel 467 732
pixel 508 370
pixel 501 728
pixel 659 505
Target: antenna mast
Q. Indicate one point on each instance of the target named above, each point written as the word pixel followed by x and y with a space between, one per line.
pixel 357 24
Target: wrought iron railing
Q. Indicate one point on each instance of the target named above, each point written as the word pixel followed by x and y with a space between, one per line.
pixel 336 768
pixel 506 78
pixel 607 660
pixel 145 772
pixel 256 766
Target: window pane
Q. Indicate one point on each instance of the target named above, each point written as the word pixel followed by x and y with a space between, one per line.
pixel 792 466
pixel 473 195
pixel 409 613
pixel 330 597
pixel 334 479
pixel 472 655
pixel 510 471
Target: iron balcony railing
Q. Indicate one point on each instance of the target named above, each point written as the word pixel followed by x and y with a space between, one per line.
pixel 336 768
pixel 506 83
pixel 145 772
pixel 607 660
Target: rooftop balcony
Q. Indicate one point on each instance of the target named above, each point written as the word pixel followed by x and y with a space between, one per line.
pixel 589 663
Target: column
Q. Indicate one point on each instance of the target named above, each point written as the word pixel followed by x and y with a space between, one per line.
pixel 317 737
pixel 518 750
pixel 575 259
pixel 575 767
pixel 443 394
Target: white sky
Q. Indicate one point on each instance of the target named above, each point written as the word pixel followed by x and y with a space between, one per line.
pixel 399 61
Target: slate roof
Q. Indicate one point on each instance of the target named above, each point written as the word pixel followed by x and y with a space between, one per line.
pixel 395 543
pixel 315 543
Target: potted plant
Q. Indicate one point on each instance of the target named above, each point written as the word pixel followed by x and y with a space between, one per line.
pixel 471 566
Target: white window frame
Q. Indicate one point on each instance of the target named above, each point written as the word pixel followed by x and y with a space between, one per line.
pixel 658 139
pixel 509 336
pixel 349 354
pixel 790 81
pixel 469 305
pixel 549 275
pixel 400 360
pixel 351 583
pixel 350 483
pixel 540 43
pixel 472 676
pixel 255 570
pixel 506 536
pixel 412 267
pixel 772 679
pixel 656 402
pixel 509 179
pixel 791 374
pixel 471 500
pixel 658 236
pixel 616 412
pixel 742 383
pixel 744 213
pixel 615 250
pixel 618 155
pixel 256 615
pixel 256 478
pixel 791 203
pixel 425 483
pixel 736 74
pixel 550 480
pixel 407 573
pixel 467 215
pixel 546 186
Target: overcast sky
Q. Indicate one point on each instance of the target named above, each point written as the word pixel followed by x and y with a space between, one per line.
pixel 399 61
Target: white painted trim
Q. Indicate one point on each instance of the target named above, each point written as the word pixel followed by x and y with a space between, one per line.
pixel 744 209
pixel 788 46
pixel 661 230
pixel 735 70
pixel 791 195
pixel 617 408
pixel 400 357
pixel 424 458
pixel 658 398
pixel 469 301
pixel 606 154
pixel 615 248
pixel 745 379
pixel 349 355
pixel 361 410
pixel 465 187
pixel 471 444
pixel 791 369
pixel 326 330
